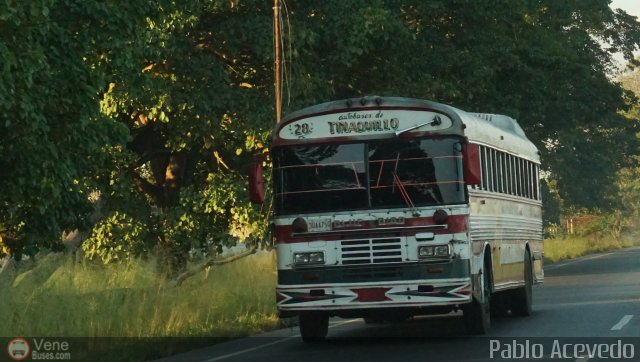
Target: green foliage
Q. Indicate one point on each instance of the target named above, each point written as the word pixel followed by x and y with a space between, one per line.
pixel 117 237
pixel 160 105
pixel 629 190
pixel 552 202
pixel 195 116
pixel 541 62
pixel 51 131
pixel 92 71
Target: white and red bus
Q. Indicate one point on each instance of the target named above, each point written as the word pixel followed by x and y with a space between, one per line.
pixel 389 207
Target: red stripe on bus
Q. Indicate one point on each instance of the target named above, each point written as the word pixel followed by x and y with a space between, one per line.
pixel 456 224
pixel 371 294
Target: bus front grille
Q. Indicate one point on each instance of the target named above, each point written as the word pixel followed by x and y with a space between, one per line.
pixel 370 273
pixel 371 251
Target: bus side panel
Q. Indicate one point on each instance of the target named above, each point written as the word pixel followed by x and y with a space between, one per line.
pixel 508 224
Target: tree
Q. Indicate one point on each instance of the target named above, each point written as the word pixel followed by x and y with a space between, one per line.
pixel 195 115
pixel 52 134
pixel 160 105
pixel 542 62
pixel 627 182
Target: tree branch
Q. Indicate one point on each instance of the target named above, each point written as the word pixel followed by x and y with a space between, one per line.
pixel 212 262
pixel 146 187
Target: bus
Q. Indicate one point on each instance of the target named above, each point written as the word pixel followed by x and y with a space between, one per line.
pixel 386 208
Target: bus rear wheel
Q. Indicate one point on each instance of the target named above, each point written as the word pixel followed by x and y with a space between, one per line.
pixel 313 327
pixel 521 303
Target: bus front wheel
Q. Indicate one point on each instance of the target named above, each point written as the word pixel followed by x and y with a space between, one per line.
pixel 477 315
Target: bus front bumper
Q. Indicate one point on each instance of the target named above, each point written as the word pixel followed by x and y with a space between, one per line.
pixel 298 299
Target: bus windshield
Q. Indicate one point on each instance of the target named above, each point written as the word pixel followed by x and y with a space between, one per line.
pixel 376 174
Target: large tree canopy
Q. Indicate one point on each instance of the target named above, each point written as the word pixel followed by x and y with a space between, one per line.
pixel 53 138
pixel 159 105
pixel 546 63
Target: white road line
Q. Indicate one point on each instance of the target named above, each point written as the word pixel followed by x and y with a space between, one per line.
pixel 250 349
pixel 582 359
pixel 589 302
pixel 271 343
pixel 552 267
pixel 623 322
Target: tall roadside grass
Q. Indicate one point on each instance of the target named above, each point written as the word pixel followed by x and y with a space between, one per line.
pixel 599 233
pixel 572 247
pixel 57 296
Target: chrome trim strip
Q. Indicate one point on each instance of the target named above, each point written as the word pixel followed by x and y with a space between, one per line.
pixel 508 285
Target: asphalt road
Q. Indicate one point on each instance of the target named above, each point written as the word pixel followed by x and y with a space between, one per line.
pixel 586 303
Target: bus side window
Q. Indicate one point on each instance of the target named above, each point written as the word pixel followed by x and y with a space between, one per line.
pixel 485 168
pixel 537 182
pixel 500 173
pixel 533 181
pixel 512 176
pixel 503 174
pixel 520 178
pixel 494 171
pixel 529 184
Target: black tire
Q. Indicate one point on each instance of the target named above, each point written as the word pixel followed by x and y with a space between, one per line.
pixel 477 315
pixel 500 304
pixel 522 301
pixel 313 327
pixel 373 320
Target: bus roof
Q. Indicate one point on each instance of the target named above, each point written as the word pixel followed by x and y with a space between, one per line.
pixel 498 131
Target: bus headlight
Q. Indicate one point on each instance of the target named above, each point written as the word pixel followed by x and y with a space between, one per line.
pixel 434 251
pixel 311 258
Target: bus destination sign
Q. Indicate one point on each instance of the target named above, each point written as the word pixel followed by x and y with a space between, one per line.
pixel 364 123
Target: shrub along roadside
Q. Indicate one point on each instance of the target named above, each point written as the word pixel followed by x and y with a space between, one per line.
pixel 600 232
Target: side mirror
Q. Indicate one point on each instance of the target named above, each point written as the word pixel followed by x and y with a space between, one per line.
pixel 256 183
pixel 471 161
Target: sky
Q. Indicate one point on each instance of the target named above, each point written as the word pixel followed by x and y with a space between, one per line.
pixel 630 6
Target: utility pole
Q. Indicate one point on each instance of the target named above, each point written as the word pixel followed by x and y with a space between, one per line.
pixel 277 71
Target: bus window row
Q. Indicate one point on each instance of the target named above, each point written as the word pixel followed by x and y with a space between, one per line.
pixel 508 174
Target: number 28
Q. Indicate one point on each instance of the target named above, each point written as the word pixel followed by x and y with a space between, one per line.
pixel 302 129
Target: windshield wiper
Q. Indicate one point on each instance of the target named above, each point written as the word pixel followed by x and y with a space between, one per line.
pixel 435 122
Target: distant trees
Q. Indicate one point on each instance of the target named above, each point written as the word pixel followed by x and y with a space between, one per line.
pixel 159 105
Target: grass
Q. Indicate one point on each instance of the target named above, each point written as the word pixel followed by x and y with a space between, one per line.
pixel 58 296
pixel 574 246
pixel 61 297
